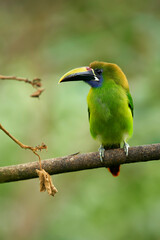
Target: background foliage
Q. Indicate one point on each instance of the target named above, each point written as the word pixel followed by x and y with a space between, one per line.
pixel 45 39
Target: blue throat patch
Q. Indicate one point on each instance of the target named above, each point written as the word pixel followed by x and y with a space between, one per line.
pixel 95 84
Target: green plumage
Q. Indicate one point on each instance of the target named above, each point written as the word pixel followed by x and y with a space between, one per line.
pixel 110 114
pixel 110 107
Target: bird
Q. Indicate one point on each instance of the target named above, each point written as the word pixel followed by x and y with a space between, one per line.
pixel 110 105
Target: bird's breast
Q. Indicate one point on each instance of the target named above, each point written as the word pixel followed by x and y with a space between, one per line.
pixel 109 113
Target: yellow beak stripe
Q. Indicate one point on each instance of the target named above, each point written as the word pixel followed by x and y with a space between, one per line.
pixel 78 71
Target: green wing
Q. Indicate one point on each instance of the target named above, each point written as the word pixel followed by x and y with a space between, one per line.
pixel 130 102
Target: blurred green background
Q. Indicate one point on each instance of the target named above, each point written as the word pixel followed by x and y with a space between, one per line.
pixel 45 39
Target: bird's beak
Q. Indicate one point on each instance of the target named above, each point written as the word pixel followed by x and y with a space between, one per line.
pixel 79 74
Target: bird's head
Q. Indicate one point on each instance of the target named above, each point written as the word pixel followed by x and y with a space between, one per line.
pixel 96 73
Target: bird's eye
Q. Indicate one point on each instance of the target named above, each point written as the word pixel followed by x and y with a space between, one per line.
pixel 98 71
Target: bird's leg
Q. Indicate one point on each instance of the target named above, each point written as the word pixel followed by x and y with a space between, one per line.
pixel 101 152
pixel 125 147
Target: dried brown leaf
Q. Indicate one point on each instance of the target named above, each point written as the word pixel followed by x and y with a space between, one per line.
pixel 46 182
pixel 37 93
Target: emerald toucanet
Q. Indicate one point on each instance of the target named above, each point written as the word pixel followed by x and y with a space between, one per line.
pixel 110 105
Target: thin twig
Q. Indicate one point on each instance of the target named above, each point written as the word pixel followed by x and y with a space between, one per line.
pixel 80 162
pixel 33 149
pixel 36 83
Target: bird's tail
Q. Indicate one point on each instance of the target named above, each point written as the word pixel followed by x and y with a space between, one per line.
pixel 115 170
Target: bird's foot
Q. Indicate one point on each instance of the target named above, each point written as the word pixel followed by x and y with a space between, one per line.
pixel 101 152
pixel 125 147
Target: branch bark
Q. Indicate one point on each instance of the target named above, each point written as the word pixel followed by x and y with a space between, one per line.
pixel 77 162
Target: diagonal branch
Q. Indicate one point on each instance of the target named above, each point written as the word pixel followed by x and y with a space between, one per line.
pixel 77 162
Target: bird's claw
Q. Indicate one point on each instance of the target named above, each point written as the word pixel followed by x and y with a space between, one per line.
pixel 101 152
pixel 125 147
